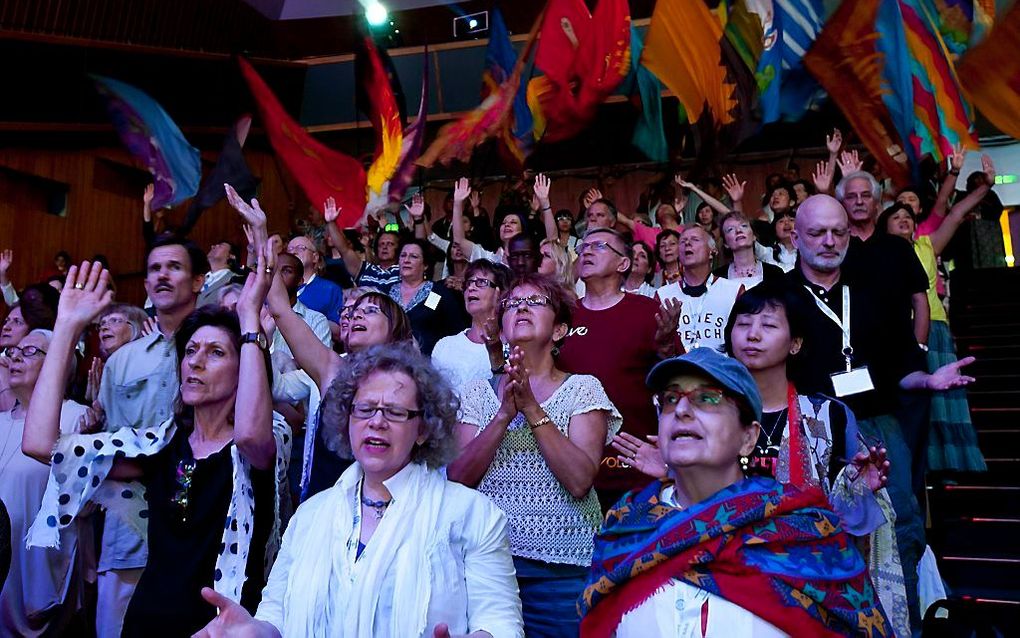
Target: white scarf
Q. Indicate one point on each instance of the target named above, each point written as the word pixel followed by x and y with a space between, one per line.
pixel 328 594
pixel 76 479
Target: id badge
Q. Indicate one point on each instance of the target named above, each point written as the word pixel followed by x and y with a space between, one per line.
pixel 432 301
pixel 853 382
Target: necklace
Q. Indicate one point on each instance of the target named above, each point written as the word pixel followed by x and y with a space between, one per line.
pixel 379 507
pixel 745 272
pixel 772 431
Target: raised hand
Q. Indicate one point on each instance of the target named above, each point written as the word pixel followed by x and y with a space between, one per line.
pixel 256 287
pixel 679 180
pixel 329 210
pixel 476 202
pixel 667 320
pixel 734 187
pixel 834 142
pixel 85 295
pixel 989 169
pixel 949 376
pixel 95 378
pixel 6 259
pixel 231 621
pixel 592 196
pixel 148 194
pixel 150 326
pixel 417 206
pixel 252 214
pixel 542 188
pixel 849 162
pixel 957 157
pixel 644 456
pixel 873 467
pixel 824 173
pixel 680 201
pixel 461 190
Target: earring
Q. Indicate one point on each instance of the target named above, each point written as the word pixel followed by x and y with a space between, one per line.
pixel 555 351
pixel 744 464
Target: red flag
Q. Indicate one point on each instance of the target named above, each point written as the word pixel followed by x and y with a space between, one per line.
pixel 319 170
pixel 584 57
pixel 384 113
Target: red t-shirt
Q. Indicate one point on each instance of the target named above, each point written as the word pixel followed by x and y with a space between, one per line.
pixel 617 346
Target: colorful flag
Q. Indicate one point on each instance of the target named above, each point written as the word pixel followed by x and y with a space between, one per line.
pixel 230 169
pixel 319 170
pixel 154 140
pixel 942 117
pixel 458 140
pixel 518 137
pixel 990 73
pixel 585 57
pixel 683 49
pixel 847 62
pixel 380 105
pixel 414 138
pixel 800 22
pixel 649 134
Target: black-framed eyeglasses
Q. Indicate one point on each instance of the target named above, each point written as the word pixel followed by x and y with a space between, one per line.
pixel 26 352
pixel 703 397
pixel 392 413
pixel 599 246
pixel 534 301
pixel 479 282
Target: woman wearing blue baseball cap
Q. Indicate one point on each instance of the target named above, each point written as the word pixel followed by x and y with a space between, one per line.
pixel 711 551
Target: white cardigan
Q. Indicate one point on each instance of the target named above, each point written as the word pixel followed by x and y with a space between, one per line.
pixel 470 585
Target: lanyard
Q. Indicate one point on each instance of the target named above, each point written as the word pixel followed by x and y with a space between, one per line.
pixel 844 325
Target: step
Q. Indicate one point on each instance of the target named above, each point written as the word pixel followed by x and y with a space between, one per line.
pixel 994 381
pixel 986 606
pixel 996 572
pixel 1010 349
pixel 980 398
pixel 990 365
pixel 995 418
pixel 975 499
pixel 973 534
pixel 1003 442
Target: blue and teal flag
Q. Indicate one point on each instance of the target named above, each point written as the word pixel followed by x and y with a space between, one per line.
pixel 798 24
pixel 500 59
pixel 649 136
pixel 153 139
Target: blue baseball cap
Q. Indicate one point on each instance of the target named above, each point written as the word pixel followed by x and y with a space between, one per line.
pixel 726 371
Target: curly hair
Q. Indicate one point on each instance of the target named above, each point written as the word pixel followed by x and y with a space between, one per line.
pixel 435 398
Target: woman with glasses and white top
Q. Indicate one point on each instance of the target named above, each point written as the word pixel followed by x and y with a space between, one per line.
pixel 393 549
pixel 532 439
pixel 43 589
pixel 463 357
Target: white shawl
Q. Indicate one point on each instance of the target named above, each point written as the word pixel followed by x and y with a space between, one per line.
pixel 322 600
pixel 81 463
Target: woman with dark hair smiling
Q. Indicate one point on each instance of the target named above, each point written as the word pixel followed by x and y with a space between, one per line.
pixel 208 474
pixel 532 439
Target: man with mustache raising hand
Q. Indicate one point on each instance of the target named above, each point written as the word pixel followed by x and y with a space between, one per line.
pixel 855 351
pixel 137 390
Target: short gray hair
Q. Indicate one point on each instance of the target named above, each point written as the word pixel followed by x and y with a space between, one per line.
pixel 711 237
pixel 876 188
pixel 135 316
pixel 435 396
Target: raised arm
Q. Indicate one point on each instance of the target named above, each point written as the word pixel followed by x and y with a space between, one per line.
pixel 85 295
pixel 311 355
pixel 478 449
pixel 461 191
pixel 352 258
pixel 148 227
pixel 416 209
pixel 253 409
pixel 948 186
pixel 833 143
pixel 708 199
pixel 542 185
pixel 735 189
pixel 941 236
pixel 10 295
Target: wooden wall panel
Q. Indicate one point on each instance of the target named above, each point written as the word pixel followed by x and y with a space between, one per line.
pixel 106 218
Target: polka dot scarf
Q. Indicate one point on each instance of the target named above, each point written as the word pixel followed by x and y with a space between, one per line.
pixel 78 474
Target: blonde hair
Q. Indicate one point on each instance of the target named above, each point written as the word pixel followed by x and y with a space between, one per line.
pixel 564 265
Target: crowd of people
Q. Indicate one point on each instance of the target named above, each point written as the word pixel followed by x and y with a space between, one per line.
pixel 700 416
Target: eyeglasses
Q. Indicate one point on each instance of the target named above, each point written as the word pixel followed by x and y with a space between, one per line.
pixel 702 397
pixel 598 246
pixel 366 311
pixel 392 413
pixel 479 282
pixel 111 322
pixel 534 301
pixel 26 352
pixel 185 472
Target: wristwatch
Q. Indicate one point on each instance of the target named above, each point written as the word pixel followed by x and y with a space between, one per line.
pixel 257 338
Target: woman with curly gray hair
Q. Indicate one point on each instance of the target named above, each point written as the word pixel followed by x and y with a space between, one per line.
pixel 393 549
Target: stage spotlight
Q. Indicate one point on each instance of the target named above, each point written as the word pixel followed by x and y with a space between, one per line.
pixel 472 26
pixel 376 13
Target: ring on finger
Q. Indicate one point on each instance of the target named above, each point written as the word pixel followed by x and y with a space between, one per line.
pixel 269 270
pixel 80 286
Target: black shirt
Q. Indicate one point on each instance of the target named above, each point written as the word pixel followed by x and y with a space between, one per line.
pixel 888 266
pixel 879 340
pixel 764 459
pixel 429 325
pixel 184 542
